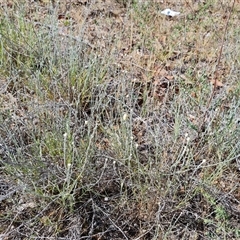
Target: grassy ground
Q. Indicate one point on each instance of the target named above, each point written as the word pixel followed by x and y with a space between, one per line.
pixel 110 124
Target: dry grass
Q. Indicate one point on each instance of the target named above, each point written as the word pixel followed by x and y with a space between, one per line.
pixel 106 128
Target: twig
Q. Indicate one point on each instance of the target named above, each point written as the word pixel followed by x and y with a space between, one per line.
pixel 113 223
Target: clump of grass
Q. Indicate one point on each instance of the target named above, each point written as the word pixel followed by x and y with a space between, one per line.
pixel 102 143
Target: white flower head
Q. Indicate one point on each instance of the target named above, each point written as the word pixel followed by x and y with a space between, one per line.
pixel 125 116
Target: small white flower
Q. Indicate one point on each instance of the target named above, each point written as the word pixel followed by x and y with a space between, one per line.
pixel 125 116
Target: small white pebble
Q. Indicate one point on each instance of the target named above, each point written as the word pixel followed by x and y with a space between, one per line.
pixel 106 199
